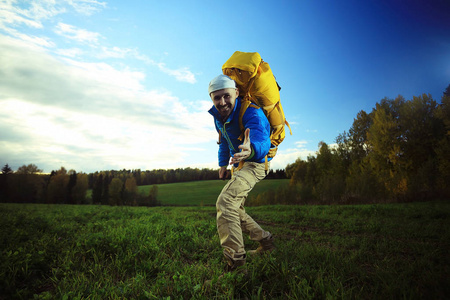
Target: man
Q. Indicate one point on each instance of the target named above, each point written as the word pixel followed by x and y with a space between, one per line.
pixel 249 167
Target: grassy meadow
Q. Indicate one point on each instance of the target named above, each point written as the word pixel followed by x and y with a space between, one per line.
pixel 386 251
pixel 200 192
pixel 203 192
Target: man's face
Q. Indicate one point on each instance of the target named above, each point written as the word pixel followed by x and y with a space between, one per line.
pixel 224 101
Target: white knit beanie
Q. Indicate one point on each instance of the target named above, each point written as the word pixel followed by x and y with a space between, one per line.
pixel 221 82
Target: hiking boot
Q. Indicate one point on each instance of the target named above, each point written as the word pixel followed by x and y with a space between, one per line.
pixel 266 245
pixel 236 265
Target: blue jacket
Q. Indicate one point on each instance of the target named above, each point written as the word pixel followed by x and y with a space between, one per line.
pixel 254 119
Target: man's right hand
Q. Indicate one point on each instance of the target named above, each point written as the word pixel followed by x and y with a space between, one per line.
pixel 223 173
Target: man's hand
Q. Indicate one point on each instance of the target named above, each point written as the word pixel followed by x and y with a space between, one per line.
pixel 223 172
pixel 246 149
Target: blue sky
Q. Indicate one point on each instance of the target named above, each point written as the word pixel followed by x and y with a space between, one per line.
pixel 100 85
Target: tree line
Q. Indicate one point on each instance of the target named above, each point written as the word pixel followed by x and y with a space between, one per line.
pixel 400 151
pixel 29 185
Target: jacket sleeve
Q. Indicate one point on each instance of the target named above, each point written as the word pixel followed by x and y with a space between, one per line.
pixel 224 152
pixel 259 133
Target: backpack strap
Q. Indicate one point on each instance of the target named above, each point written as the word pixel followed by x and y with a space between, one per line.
pixel 244 105
pixel 266 164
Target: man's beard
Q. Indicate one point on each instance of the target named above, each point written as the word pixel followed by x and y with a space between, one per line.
pixel 224 110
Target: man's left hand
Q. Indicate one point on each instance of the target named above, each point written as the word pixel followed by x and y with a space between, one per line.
pixel 246 149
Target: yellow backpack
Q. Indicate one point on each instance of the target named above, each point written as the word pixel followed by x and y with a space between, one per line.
pixel 257 85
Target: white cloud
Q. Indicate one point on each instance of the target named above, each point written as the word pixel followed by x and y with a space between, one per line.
pixel 90 141
pixel 301 144
pixel 60 109
pixel 77 34
pixel 72 52
pixel 87 7
pixel 43 9
pixel 181 74
pixel 106 74
pixel 290 155
pixel 283 158
pixel 115 52
pixel 89 116
pixel 32 13
pixel 95 138
pixel 33 41
pixel 11 16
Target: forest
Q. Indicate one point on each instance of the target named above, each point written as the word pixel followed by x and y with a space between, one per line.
pixel 29 185
pixel 400 151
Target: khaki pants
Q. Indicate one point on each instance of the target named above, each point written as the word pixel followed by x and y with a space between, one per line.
pixel 232 220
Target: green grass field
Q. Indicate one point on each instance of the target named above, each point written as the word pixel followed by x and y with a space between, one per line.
pixel 203 192
pixel 389 251
pixel 197 193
